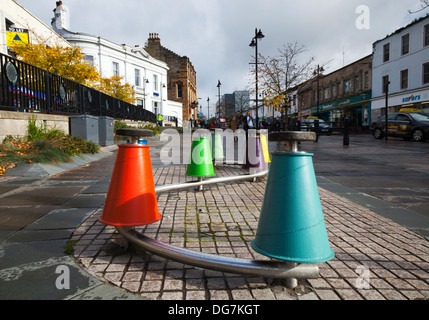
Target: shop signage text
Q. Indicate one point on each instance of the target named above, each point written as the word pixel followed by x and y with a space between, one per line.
pixel 411 98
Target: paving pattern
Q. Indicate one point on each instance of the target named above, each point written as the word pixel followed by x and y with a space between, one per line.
pixel 376 259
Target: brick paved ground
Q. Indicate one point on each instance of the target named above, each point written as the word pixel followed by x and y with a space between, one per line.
pixel 376 259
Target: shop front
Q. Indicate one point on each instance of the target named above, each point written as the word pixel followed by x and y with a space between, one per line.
pixel 418 99
pixel 356 108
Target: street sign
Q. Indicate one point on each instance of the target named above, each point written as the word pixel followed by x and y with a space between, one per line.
pixel 16 36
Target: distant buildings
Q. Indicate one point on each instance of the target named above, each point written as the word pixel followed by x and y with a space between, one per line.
pixel 233 104
pixel 345 92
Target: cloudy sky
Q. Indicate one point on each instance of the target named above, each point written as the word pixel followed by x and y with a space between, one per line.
pixel 215 34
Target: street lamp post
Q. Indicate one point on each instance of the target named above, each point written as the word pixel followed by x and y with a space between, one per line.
pixel 208 109
pixel 218 90
pixel 254 43
pixel 317 72
pixel 386 111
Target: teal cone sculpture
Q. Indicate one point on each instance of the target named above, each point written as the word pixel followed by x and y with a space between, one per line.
pixel 201 163
pixel 291 225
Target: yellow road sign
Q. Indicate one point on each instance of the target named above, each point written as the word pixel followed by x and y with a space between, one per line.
pixel 16 36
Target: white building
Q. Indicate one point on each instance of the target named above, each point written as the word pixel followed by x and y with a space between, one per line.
pixel 147 75
pixel 402 59
pixel 18 24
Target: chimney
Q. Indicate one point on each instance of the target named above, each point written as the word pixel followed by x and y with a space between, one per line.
pixel 154 39
pixel 61 18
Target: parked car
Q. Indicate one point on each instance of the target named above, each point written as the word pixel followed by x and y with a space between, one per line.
pixel 408 125
pixel 308 125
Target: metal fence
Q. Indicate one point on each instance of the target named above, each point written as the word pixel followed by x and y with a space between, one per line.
pixel 26 88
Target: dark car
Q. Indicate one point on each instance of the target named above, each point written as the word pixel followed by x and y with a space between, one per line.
pixel 408 125
pixel 308 125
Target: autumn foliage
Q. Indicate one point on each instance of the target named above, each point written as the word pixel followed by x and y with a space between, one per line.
pixel 69 62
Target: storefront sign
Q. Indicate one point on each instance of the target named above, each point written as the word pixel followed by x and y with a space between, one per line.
pixel 412 98
pixel 343 103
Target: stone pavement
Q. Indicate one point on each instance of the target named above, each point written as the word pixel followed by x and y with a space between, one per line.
pixel 376 259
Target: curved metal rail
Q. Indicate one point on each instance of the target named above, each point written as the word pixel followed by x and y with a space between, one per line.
pixel 267 269
pixel 262 268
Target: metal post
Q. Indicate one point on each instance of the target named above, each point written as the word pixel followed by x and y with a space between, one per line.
pixel 386 112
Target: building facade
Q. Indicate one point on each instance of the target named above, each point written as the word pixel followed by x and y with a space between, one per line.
pixel 343 93
pixel 17 24
pixel 233 104
pixel 181 77
pixel 146 74
pixel 401 60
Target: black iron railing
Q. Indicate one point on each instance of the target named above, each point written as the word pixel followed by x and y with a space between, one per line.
pixel 26 88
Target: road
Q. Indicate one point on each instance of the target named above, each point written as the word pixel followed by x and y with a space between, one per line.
pixel 390 178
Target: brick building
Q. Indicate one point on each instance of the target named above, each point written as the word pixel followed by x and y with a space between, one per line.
pixel 345 92
pixel 181 76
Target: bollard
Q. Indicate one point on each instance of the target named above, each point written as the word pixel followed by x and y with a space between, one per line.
pixel 131 199
pixel 346 139
pixel 291 225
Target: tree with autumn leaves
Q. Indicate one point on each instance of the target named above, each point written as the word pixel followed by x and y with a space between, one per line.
pixel 279 74
pixel 69 62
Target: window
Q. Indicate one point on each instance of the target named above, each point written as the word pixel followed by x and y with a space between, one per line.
pixel 347 86
pixel 366 80
pixel 137 77
pixel 402 117
pixel 405 44
pixel 385 83
pixel 357 84
pixel 386 52
pixel 326 94
pixel 155 82
pixel 179 90
pixel 116 68
pixel 89 60
pixel 426 35
pixel 404 79
pixel 426 73
pixel 334 91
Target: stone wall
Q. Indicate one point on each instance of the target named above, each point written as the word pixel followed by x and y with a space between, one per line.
pixel 15 123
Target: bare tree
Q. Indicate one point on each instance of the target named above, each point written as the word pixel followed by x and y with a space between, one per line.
pixel 424 4
pixel 278 75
